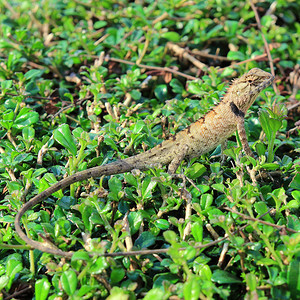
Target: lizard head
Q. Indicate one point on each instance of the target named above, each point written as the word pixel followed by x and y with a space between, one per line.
pixel 245 89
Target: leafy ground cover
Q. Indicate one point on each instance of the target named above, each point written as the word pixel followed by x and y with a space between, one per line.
pixel 84 83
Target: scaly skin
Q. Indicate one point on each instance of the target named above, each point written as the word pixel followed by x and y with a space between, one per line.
pixel 200 137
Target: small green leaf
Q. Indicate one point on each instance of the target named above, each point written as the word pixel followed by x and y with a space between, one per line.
pixel 145 240
pixel 293 278
pixel 155 293
pixel 79 255
pixel 170 236
pixel 162 224
pixel 66 202
pixel 64 137
pixel 115 186
pixel 177 87
pixel 98 266
pixel 117 275
pixel 197 231
pixel 135 219
pixel 206 201
pixel 147 186
pixel 28 133
pixel 195 88
pixel 196 170
pixel 34 73
pixel 69 282
pixel 271 166
pixel 171 36
pixel 100 24
pixel 25 117
pixel 251 282
pixel 12 268
pixel 7 119
pixel 295 184
pixel 191 289
pixel 236 55
pixel 3 281
pixel 223 277
pixel 161 92
pixel 42 287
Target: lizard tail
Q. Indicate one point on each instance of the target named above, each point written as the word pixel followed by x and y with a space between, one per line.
pixel 116 167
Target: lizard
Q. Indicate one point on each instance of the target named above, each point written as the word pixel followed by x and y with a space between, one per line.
pixel 198 138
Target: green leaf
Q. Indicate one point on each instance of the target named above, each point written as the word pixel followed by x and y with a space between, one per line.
pixel 4 280
pixel 7 119
pixel 135 219
pixel 171 36
pixel 223 277
pixel 33 74
pixel 64 137
pixel 6 85
pixel 176 86
pixel 155 293
pixel 195 88
pixel 251 282
pixel 295 184
pixel 80 255
pixel 296 195
pixel 170 236
pixel 12 268
pixel 293 278
pixel 269 125
pixel 161 92
pixel 115 186
pixel 196 170
pixel 41 288
pixel 270 166
pixel 162 224
pixel 145 240
pixel 236 55
pixel 100 24
pixel 231 26
pixel 99 265
pixel 138 127
pixel 69 282
pixel 147 186
pixel 197 231
pixel 28 133
pixel 117 275
pixel 25 117
pixel 66 202
pixel 192 288
pixel 206 201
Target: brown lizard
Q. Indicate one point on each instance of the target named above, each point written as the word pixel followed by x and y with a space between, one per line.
pixel 200 137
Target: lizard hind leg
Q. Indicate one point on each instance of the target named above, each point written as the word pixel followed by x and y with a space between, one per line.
pixel 174 164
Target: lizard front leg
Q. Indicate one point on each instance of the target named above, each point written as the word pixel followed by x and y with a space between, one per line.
pixel 243 137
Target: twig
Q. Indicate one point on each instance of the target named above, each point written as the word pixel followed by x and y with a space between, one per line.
pixel 244 61
pixel 163 69
pixel 267 48
pixel 146 44
pixel 207 55
pixel 18 293
pixel 260 221
pixel 183 53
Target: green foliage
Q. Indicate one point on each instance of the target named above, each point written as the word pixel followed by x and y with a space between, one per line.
pixel 67 103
